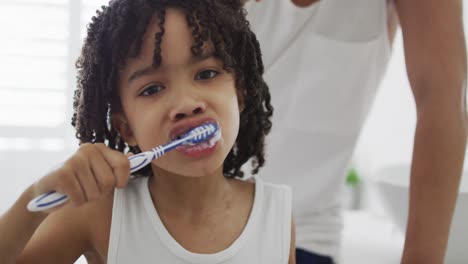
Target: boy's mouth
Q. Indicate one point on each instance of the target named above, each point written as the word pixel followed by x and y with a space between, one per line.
pixel 184 126
pixel 201 149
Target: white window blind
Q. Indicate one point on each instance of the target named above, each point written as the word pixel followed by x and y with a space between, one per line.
pixel 40 42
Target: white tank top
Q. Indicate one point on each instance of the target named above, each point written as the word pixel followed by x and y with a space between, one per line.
pixel 138 236
pixel 323 65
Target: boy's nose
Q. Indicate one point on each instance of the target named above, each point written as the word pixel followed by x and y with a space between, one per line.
pixel 187 108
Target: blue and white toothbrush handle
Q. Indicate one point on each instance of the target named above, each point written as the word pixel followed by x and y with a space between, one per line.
pixel 53 198
pixel 194 136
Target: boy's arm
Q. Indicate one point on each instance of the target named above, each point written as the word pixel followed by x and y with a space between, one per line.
pixel 292 251
pixel 17 226
pixel 435 55
pixel 40 238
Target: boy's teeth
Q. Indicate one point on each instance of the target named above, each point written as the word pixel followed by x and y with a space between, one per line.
pixel 211 143
pixel 215 138
pixel 207 144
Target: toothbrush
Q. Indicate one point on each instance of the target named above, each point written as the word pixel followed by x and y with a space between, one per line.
pixel 194 136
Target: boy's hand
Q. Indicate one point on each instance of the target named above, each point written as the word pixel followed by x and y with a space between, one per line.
pixel 94 170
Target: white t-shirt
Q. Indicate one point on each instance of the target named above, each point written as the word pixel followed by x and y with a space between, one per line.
pixel 323 64
pixel 138 235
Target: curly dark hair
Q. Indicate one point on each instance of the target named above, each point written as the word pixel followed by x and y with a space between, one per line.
pixel 115 34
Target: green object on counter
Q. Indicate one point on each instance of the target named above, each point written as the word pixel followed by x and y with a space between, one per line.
pixel 353 178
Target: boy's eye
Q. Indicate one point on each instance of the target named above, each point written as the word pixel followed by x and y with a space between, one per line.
pixel 152 89
pixel 206 74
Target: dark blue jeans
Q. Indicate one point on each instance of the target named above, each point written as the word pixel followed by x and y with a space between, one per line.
pixel 306 257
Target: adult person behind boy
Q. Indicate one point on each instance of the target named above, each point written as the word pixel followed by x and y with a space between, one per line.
pixel 323 63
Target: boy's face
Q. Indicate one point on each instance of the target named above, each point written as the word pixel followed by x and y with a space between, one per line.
pixel 185 91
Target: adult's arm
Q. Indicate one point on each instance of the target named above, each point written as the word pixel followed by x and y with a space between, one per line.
pixel 435 53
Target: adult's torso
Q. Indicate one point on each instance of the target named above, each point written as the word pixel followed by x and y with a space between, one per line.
pixel 323 65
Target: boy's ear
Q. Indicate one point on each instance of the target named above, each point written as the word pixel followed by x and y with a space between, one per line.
pixel 120 123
